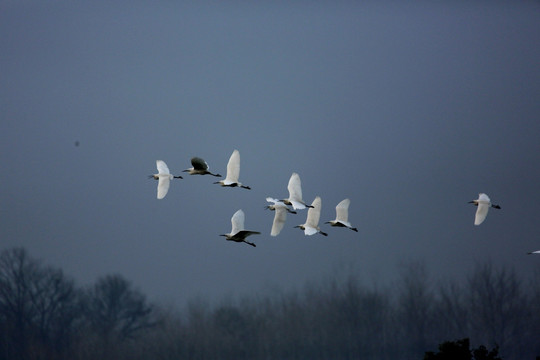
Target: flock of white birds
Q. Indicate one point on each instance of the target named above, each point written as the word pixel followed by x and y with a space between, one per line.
pixel 281 207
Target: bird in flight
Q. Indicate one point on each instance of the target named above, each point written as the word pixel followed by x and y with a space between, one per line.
pixel 483 203
pixel 280 215
pixel 233 172
pixel 342 216
pixel 311 225
pixel 295 193
pixel 238 233
pixel 164 178
pixel 200 167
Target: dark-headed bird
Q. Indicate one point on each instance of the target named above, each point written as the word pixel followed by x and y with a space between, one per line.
pixel 200 167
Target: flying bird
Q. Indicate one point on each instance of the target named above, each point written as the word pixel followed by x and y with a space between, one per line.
pixel 312 222
pixel 483 203
pixel 277 203
pixel 164 178
pixel 534 252
pixel 233 172
pixel 295 193
pixel 238 233
pixel 342 215
pixel 200 167
pixel 280 216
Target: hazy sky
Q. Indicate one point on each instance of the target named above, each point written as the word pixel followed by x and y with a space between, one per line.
pixel 410 109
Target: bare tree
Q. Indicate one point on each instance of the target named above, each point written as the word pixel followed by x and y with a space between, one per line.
pixel 498 307
pixel 451 311
pixel 415 305
pixel 116 310
pixel 38 307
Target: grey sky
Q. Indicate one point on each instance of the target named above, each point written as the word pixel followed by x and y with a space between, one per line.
pixel 409 109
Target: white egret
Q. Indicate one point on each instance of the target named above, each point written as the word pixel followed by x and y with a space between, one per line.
pixel 312 222
pixel 280 216
pixel 238 233
pixel 200 167
pixel 233 172
pixel 278 203
pixel 483 204
pixel 342 215
pixel 295 193
pixel 164 178
pixel 534 252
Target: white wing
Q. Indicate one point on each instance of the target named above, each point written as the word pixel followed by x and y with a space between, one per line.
pixel 342 211
pixel 233 168
pixel 314 213
pixel 481 213
pixel 310 230
pixel 484 198
pixel 279 219
pixel 297 205
pixel 295 188
pixel 484 204
pixel 163 186
pixel 237 222
pixel 162 167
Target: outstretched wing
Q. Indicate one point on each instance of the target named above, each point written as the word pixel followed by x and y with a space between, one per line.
pixel 342 211
pixel 163 186
pixel 233 168
pixel 484 198
pixel 245 233
pixel 237 222
pixel 481 213
pixel 162 167
pixel 314 213
pixel 279 219
pixel 295 188
pixel 199 164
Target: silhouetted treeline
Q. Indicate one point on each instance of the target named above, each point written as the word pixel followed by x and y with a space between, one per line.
pixel 460 350
pixel 44 315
